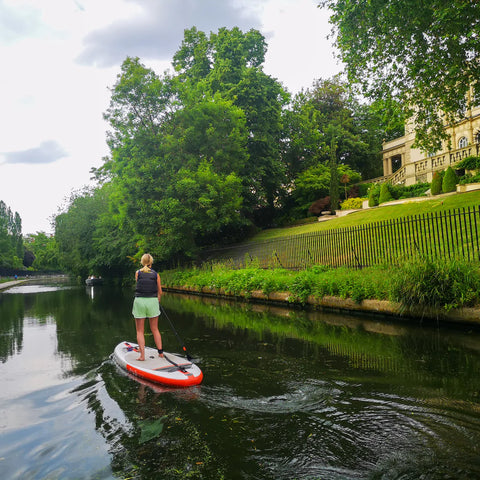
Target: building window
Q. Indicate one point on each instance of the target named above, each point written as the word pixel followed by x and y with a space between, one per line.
pixel 463 142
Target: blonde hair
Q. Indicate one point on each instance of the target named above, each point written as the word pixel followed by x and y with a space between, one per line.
pixel 146 261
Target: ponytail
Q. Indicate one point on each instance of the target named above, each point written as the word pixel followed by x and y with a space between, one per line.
pixel 146 261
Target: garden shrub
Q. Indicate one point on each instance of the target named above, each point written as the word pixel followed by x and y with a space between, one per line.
pixel 319 206
pixel 373 195
pixel 436 187
pixel 352 204
pixel 385 193
pixel 354 191
pixel 449 182
pixel 471 162
pixel 469 179
pixel 438 283
pixel 410 191
pixel 363 189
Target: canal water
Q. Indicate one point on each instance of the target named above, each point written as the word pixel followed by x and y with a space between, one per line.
pixel 287 394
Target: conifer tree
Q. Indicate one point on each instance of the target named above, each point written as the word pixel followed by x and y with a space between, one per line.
pixel 449 183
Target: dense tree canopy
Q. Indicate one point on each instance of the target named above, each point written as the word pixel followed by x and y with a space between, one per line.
pixel 42 250
pixel 423 54
pixel 328 111
pixel 200 157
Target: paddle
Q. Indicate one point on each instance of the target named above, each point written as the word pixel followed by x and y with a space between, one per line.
pixel 180 367
pixel 184 348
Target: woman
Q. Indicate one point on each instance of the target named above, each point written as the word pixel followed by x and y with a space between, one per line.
pixel 148 293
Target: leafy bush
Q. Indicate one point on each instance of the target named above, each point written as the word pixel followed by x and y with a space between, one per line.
pixel 385 193
pixel 449 182
pixel 438 283
pixel 469 179
pixel 352 204
pixel 436 187
pixel 374 195
pixel 316 208
pixel 363 189
pixel 469 163
pixel 410 191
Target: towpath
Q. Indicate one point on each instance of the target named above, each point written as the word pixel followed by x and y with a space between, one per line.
pixel 5 285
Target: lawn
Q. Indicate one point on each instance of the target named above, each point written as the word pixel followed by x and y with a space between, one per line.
pixel 409 208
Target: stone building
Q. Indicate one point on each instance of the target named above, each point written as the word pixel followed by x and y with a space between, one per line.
pixel 405 165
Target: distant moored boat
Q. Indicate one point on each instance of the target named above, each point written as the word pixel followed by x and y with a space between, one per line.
pixel 92 281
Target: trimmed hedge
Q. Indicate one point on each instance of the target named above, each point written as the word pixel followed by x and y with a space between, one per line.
pixel 449 182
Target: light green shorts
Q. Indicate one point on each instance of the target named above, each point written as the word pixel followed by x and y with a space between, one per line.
pixel 146 307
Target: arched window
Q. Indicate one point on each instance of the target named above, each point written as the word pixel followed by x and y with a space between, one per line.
pixel 463 142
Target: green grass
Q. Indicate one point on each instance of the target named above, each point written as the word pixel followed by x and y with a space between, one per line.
pixel 377 214
pixel 420 282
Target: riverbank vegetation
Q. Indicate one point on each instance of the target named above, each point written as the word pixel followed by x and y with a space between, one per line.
pixel 418 282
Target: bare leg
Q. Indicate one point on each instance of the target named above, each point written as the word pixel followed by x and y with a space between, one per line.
pixel 156 333
pixel 140 326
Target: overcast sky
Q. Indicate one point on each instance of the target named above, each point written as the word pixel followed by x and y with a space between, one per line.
pixel 59 57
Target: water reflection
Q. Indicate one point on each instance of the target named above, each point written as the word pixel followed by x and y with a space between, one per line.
pixel 286 394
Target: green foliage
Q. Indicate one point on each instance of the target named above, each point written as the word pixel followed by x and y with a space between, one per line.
pixel 410 191
pixel 11 240
pixel 45 251
pixel 436 187
pixel 318 281
pixel 92 237
pixel 334 177
pixel 410 50
pixel 374 195
pixel 328 110
pixel 352 204
pixel 314 183
pixel 469 163
pixel 469 179
pixel 438 283
pixel 449 182
pixel 418 282
pixel 385 193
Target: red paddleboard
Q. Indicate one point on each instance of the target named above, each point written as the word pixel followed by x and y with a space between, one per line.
pixel 171 369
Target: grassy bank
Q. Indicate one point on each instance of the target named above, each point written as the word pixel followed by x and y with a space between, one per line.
pixel 439 203
pixel 419 282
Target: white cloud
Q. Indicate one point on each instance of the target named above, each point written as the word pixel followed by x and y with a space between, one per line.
pixel 156 30
pixel 47 152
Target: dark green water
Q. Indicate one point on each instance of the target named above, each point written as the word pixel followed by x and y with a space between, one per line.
pixel 286 394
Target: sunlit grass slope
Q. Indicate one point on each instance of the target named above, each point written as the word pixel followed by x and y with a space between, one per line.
pixel 377 214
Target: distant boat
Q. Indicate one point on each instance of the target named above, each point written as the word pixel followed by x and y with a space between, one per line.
pixel 93 281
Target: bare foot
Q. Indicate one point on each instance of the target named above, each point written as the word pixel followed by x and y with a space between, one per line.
pixel 160 355
pixel 140 359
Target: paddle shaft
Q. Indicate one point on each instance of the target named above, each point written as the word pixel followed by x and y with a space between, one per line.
pixel 184 348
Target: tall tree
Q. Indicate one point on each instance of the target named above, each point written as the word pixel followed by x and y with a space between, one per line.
pixel 184 135
pixel 334 177
pixel 11 240
pixel 422 54
pixel 328 110
pixel 229 64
